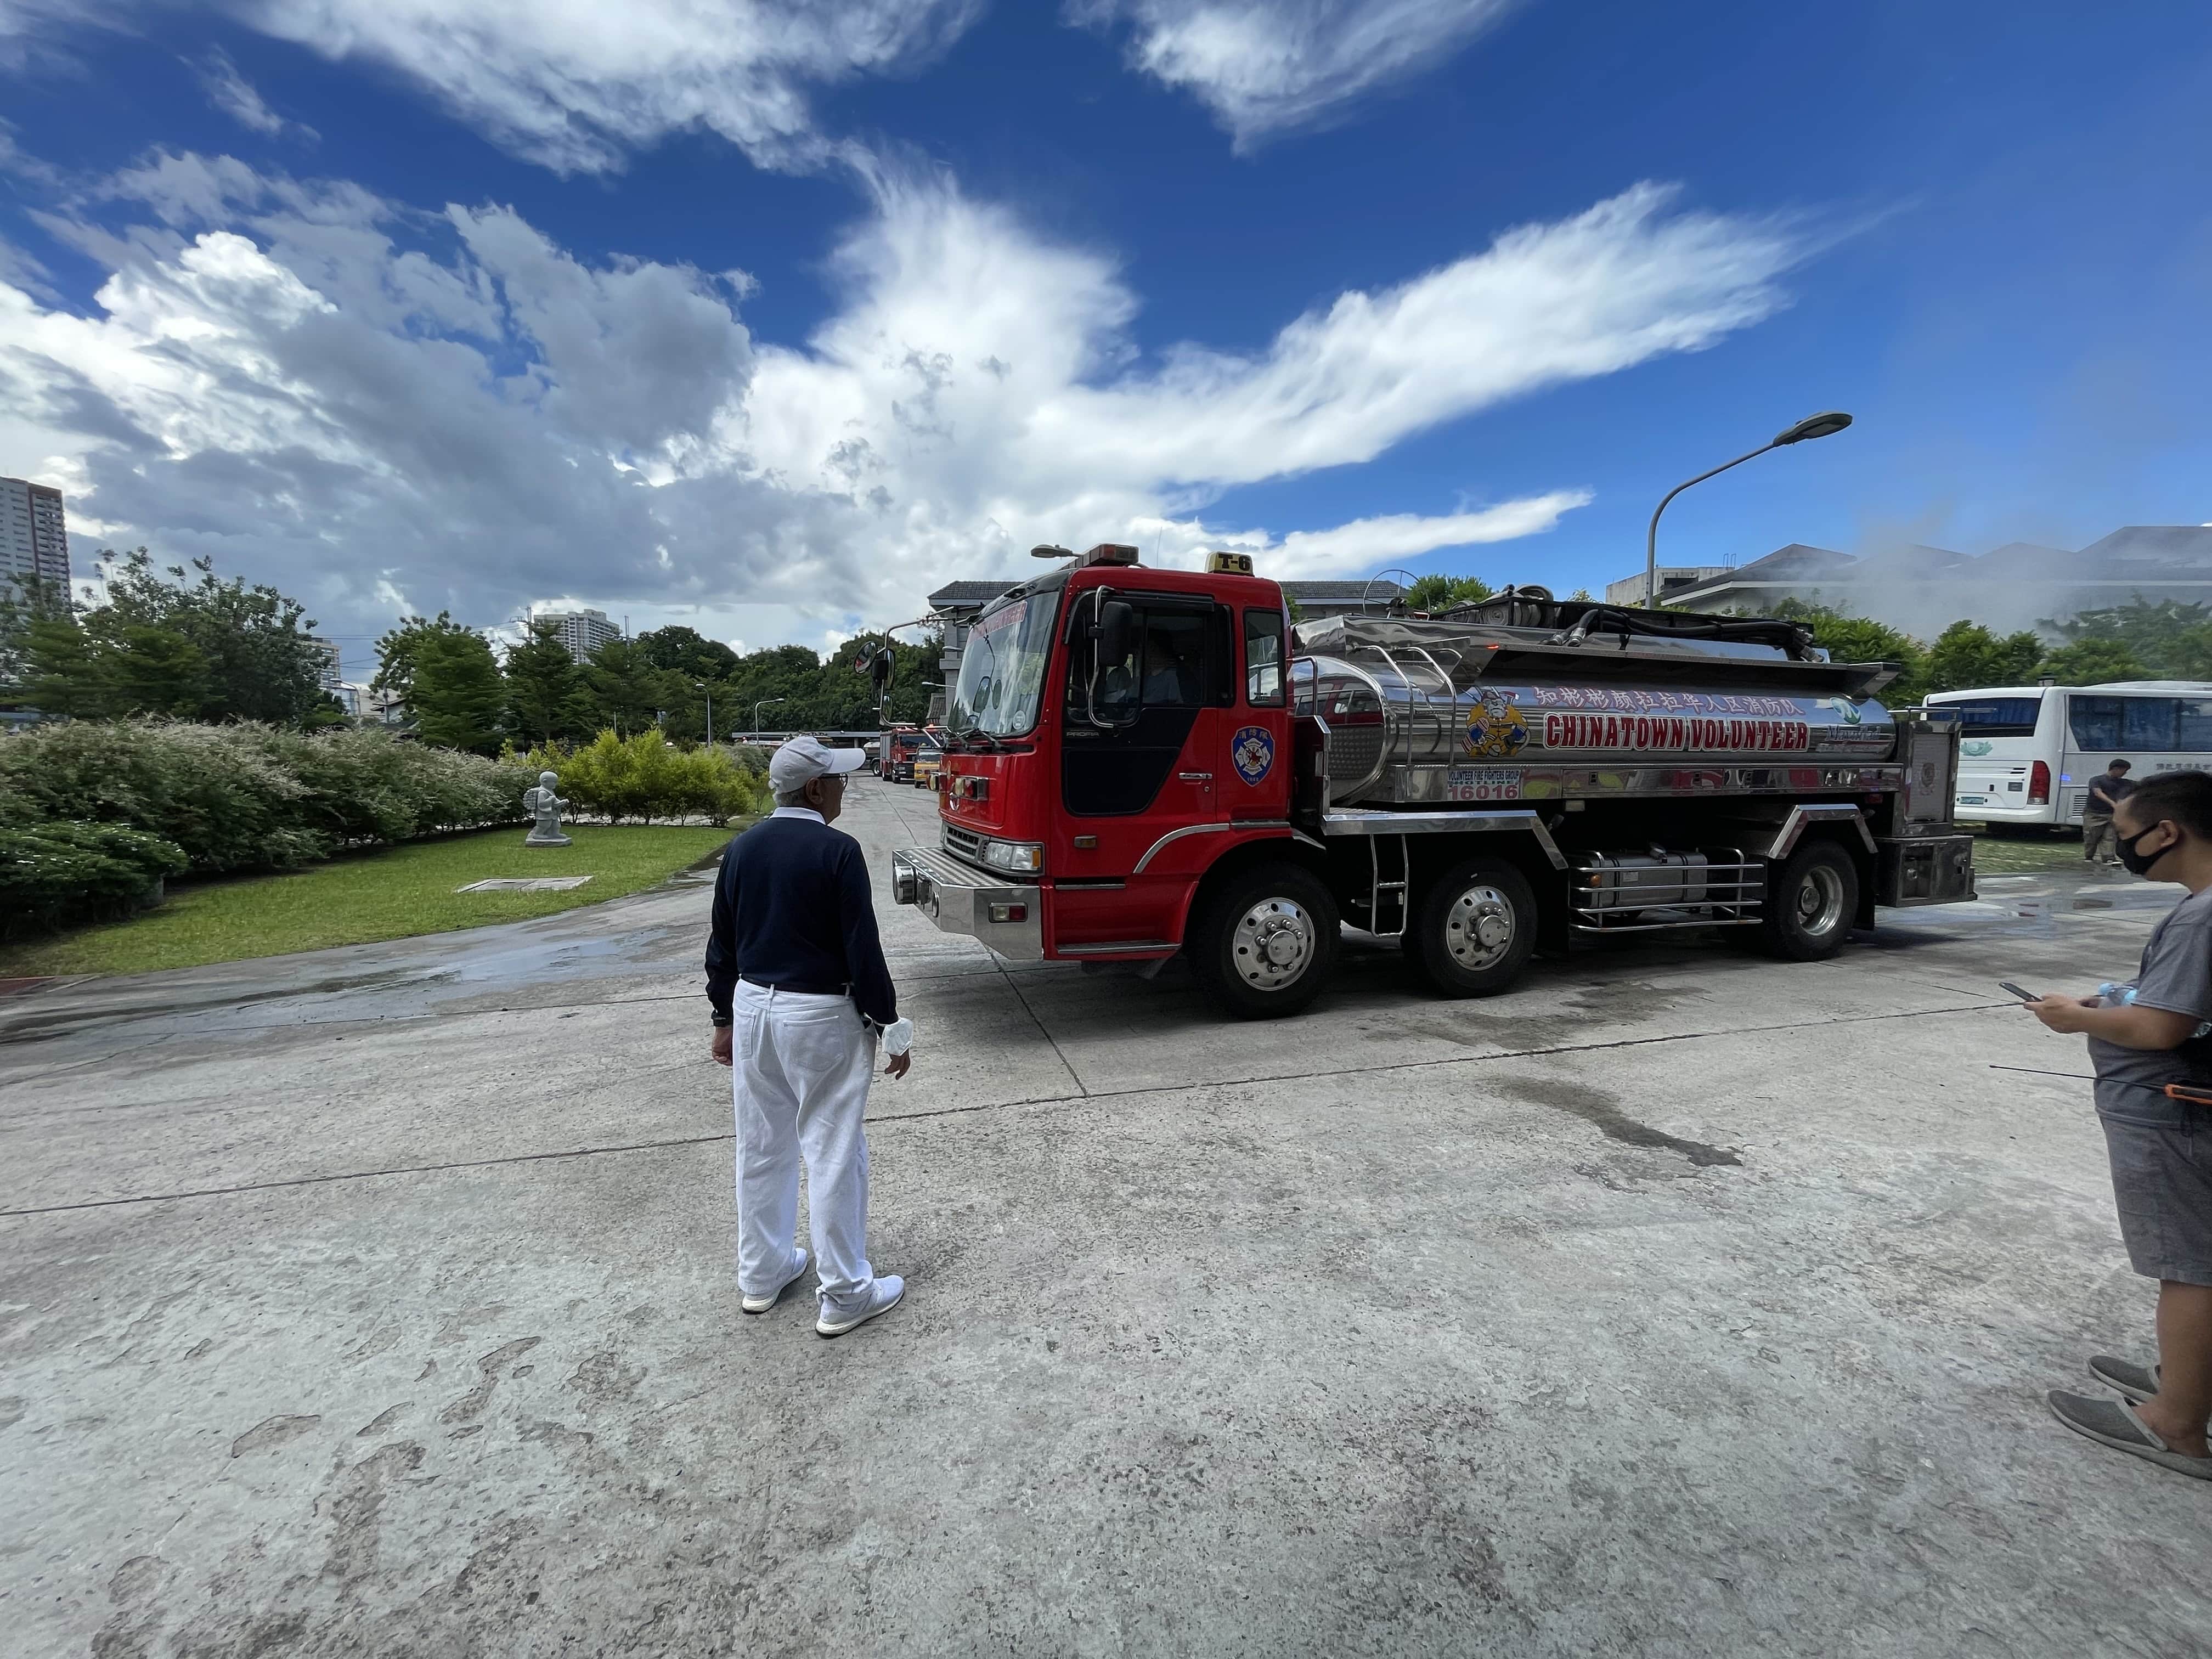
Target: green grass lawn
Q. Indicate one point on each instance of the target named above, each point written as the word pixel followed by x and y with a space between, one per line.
pixel 392 894
pixel 2005 857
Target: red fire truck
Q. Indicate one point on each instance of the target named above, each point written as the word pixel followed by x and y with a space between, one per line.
pixel 1147 761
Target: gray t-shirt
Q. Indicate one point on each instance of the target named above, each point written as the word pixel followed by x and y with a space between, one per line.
pixel 2176 975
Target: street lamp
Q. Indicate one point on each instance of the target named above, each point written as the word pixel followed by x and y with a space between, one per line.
pixel 762 704
pixel 708 692
pixel 1823 425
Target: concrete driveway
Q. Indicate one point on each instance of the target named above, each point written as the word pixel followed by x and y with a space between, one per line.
pixel 379 1301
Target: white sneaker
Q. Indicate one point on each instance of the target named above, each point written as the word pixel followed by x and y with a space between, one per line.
pixel 764 1300
pixel 883 1295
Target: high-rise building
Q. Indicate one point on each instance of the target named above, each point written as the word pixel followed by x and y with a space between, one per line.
pixel 582 631
pixel 34 534
pixel 331 674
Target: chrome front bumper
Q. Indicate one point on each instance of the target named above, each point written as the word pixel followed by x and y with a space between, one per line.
pixel 1005 915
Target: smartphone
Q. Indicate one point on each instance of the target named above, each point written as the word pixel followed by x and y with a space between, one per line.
pixel 2025 996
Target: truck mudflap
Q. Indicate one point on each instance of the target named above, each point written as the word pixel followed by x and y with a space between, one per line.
pixel 1008 916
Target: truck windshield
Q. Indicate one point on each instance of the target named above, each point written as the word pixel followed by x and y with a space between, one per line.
pixel 1002 666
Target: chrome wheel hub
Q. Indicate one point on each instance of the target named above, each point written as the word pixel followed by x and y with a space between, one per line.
pixel 1273 943
pixel 1820 901
pixel 1479 928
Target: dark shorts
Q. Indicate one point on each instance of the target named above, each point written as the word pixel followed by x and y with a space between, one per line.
pixel 2162 1183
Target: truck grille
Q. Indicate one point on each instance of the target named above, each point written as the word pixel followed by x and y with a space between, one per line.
pixel 962 843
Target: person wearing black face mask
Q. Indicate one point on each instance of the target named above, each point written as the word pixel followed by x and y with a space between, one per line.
pixel 2143 1036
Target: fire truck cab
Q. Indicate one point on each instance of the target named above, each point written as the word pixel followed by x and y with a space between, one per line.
pixel 1136 767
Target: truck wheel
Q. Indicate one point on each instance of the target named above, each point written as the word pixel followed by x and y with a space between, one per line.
pixel 1811 900
pixel 1263 943
pixel 1474 927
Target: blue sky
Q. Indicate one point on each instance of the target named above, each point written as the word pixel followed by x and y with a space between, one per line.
pixel 771 320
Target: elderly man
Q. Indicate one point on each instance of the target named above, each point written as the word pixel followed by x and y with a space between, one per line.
pixel 800 990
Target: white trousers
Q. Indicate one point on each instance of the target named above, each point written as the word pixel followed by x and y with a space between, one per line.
pixel 803 1064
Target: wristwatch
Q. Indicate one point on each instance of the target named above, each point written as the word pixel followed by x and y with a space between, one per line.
pixel 721 1020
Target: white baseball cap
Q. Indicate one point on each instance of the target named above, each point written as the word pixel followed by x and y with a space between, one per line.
pixel 798 760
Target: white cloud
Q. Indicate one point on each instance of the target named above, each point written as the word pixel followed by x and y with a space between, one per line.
pixel 1268 66
pixel 357 399
pixel 231 93
pixel 572 82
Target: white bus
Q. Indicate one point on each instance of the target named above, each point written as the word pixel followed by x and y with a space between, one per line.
pixel 2027 752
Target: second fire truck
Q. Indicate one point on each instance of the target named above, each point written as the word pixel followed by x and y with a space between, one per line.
pixel 1143 762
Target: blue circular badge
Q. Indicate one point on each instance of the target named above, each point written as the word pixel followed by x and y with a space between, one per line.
pixel 1252 750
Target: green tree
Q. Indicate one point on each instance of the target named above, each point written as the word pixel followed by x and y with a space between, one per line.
pixel 396 651
pixel 1857 639
pixel 1436 592
pixel 2166 637
pixel 255 648
pixel 545 692
pixel 1967 654
pixel 627 691
pixel 455 690
pixel 60 672
pixel 791 673
pixel 25 602
pixel 154 670
pixel 2092 661
pixel 685 650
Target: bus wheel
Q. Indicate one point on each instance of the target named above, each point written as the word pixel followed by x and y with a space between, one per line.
pixel 1811 899
pixel 1262 944
pixel 1474 927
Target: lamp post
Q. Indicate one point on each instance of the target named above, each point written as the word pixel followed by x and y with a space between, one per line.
pixel 708 692
pixel 762 704
pixel 1823 425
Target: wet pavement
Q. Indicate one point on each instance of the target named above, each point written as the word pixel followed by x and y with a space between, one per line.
pixel 378 1300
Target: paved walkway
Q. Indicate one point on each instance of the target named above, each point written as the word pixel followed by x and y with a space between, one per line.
pixel 378 1301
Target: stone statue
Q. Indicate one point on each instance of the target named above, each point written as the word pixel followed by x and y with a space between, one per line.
pixel 546 805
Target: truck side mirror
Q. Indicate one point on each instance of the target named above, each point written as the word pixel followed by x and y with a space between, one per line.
pixel 1117 627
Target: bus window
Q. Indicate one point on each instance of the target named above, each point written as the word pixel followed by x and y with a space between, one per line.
pixel 2095 722
pixel 2148 722
pixel 2145 725
pixel 1996 717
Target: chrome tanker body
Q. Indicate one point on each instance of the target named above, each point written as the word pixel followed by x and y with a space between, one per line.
pixel 1664 770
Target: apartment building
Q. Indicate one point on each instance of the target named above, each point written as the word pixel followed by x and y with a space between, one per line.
pixel 33 534
pixel 583 632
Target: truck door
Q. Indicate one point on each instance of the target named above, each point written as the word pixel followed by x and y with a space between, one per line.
pixel 1155 766
pixel 1256 783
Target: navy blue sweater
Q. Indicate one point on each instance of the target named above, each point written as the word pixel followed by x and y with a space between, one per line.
pixel 793 908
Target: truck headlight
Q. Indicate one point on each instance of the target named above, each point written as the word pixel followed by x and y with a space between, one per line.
pixel 1025 856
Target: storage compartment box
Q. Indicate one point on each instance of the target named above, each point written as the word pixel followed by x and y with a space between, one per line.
pixel 1924 870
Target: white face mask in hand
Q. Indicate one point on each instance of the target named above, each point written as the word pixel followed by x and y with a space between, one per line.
pixel 898 1037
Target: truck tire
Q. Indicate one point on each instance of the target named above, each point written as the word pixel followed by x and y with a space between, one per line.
pixel 1812 898
pixel 1263 943
pixel 1474 928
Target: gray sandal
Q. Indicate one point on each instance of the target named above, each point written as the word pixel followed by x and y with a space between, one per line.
pixel 2136 1383
pixel 2114 1423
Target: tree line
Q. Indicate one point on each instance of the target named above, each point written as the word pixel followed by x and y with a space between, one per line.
pixel 460 693
pixel 2144 639
pixel 184 643
pixel 178 643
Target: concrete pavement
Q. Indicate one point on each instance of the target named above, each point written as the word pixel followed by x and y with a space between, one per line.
pixel 378 1301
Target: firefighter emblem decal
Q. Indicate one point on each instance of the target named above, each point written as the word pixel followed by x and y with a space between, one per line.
pixel 1495 728
pixel 1252 751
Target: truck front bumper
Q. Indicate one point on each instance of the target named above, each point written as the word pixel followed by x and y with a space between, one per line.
pixel 1008 916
